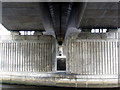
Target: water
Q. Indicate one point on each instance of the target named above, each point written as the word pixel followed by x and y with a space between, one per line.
pixel 25 87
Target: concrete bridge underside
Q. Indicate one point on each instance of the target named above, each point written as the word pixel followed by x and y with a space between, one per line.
pixel 59 17
pixel 62 32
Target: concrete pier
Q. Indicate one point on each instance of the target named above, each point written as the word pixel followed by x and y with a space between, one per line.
pixel 26 53
pixel 93 54
pixel 91 60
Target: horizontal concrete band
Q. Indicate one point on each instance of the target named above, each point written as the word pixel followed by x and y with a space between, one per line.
pixel 59 79
pixel 26 37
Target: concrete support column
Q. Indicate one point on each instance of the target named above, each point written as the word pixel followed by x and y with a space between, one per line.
pixel 112 33
pixel 49 32
pixel 15 33
pixel 93 53
pixel 72 32
pixel 38 33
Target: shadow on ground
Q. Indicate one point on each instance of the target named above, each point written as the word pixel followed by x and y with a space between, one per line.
pixel 27 87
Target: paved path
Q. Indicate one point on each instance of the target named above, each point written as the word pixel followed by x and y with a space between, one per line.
pixel 24 87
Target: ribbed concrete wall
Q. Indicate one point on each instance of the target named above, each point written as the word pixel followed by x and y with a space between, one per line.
pixel 28 54
pixel 95 56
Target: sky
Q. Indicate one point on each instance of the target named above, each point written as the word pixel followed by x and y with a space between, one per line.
pixel 98 30
pixel 3 30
